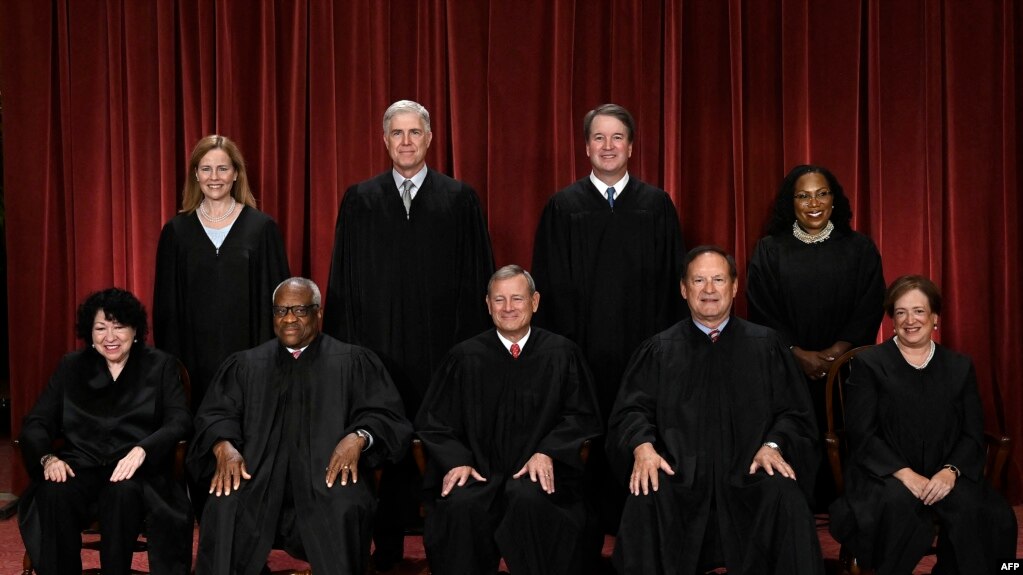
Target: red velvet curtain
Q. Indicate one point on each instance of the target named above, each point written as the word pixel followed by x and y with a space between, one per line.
pixel 913 105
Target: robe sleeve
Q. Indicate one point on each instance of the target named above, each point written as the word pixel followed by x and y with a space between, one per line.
pixel 552 272
pixel 474 273
pixel 166 307
pixel 674 259
pixel 42 425
pixel 176 421
pixel 439 423
pixel 968 452
pixel 633 420
pixel 337 318
pixel 219 417
pixel 766 305
pixel 274 269
pixel 794 426
pixel 868 309
pixel 580 419
pixel 377 408
pixel 866 442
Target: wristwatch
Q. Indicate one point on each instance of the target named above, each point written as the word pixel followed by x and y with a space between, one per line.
pixel 952 468
pixel 773 446
pixel 366 436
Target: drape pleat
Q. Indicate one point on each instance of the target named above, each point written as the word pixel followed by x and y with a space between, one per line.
pixel 913 104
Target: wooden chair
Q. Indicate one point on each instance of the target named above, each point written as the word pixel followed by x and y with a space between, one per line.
pixel 996 453
pixel 90 538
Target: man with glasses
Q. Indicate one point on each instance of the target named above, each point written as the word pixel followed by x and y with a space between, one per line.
pixel 288 431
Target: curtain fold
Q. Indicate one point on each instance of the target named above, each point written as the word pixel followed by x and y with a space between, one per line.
pixel 913 104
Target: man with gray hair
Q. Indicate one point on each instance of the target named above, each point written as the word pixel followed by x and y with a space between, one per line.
pixel 503 424
pixel 286 431
pixel 411 261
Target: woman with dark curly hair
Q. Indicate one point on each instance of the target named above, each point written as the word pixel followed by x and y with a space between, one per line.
pixel 817 282
pixel 116 409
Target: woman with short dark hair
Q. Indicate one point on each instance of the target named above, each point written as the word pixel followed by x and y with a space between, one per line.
pixel 100 444
pixel 915 428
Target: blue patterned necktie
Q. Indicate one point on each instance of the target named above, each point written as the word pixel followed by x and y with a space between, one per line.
pixel 611 197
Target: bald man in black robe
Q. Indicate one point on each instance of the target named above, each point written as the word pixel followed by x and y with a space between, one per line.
pixel 289 432
pixel 713 432
pixel 503 424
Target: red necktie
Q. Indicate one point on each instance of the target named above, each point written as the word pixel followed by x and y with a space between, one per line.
pixel 714 335
pixel 516 350
pixel 296 353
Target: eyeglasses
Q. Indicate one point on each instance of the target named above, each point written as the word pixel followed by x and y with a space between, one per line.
pixel 298 310
pixel 805 197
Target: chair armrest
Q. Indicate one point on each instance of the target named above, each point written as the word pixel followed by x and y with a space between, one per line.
pixel 995 457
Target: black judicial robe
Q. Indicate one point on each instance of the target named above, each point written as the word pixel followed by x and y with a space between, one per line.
pixel 816 294
pixel 209 303
pixel 409 289
pixel 898 416
pixel 285 416
pixel 609 279
pixel 707 408
pixel 491 411
pixel 100 421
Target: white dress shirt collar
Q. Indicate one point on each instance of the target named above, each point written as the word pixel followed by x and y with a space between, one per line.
pixel 417 180
pixel 602 187
pixel 508 343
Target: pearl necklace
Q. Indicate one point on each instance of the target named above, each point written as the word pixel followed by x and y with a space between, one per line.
pixel 220 218
pixel 930 355
pixel 812 238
